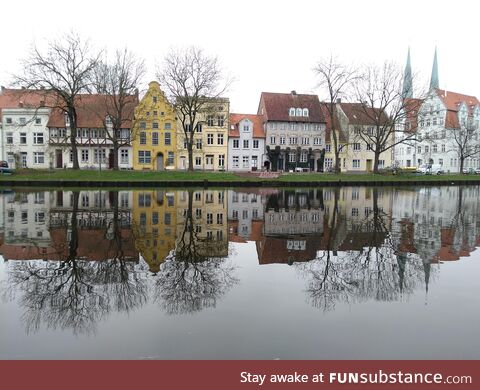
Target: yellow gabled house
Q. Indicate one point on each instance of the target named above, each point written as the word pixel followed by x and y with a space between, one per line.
pixel 154 134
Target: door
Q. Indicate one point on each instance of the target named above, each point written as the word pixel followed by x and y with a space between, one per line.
pixel 23 158
pixel 209 161
pixel 369 165
pixel 59 158
pixel 183 164
pixel 160 162
pixel 110 159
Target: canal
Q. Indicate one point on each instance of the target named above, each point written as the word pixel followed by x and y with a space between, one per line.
pixel 264 273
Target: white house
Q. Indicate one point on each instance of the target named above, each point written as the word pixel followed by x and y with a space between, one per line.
pixel 246 143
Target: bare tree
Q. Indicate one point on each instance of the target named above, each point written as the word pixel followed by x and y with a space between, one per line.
pixel 63 72
pixel 335 79
pixel 382 108
pixel 193 81
pixel 464 141
pixel 118 84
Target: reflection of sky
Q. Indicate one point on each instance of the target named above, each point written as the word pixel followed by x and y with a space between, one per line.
pixel 267 316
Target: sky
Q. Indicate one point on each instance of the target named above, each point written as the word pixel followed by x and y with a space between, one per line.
pixel 264 45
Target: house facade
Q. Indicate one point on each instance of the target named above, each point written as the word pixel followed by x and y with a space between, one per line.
pixel 154 134
pixel 210 147
pixel 246 143
pixel 94 145
pixel 294 128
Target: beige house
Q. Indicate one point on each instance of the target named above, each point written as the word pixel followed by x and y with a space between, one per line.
pixel 210 146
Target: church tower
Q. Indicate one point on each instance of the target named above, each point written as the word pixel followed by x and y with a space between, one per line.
pixel 407 89
pixel 434 78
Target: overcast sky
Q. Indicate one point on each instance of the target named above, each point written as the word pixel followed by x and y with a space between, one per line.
pixel 266 45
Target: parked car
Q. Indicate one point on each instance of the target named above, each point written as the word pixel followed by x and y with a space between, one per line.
pixel 477 171
pixel 468 171
pixel 4 169
pixel 434 169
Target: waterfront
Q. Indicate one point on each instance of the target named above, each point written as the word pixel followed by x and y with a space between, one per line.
pixel 318 273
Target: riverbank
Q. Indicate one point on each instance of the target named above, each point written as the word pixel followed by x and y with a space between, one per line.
pixel 87 178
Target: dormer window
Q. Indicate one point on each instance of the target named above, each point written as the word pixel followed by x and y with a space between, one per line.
pixel 299 112
pixel 67 120
pixel 108 120
pixel 291 112
pixel 246 128
pixel 305 112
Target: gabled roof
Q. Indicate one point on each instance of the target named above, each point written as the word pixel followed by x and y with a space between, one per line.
pixel 412 106
pixel 452 102
pixel 257 121
pixel 92 109
pixel 276 107
pixel 24 98
pixel 359 114
pixel 328 123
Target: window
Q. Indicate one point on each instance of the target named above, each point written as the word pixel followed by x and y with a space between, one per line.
pixel 440 161
pixel 167 219
pixel 220 120
pixel 220 139
pixel 328 148
pixel 23 138
pixel 235 161
pixel 144 200
pixel 255 144
pixel 292 157
pixel 210 121
pixel 209 139
pixel 198 128
pixel 154 138
pixel 168 139
pixel 221 160
pixel 356 147
pixel 246 128
pixel 434 148
pixel 305 112
pixel 304 157
pixel 291 112
pixel 245 144
pixel 426 148
pixel 282 140
pixel 419 149
pixel 84 155
pixel 143 138
pixel 38 121
pixel 254 161
pixel 198 143
pixel 370 147
pixel 305 141
pixel 299 112
pixel 144 157
pixel 245 162
pixel 9 138
pixel 38 157
pixel 293 140
pixel 143 125
pixel 123 156
pixel 443 148
pixel 8 121
pixel 23 121
pixel 198 161
pixel 170 158
pixel 317 141
pixel 154 99
pixel 272 140
pixel 236 143
pixel 356 163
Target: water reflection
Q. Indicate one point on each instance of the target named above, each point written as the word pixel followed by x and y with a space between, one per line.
pixel 75 257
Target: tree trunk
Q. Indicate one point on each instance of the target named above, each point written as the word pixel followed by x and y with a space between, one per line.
pixel 190 156
pixel 72 117
pixel 375 161
pixel 116 147
pixel 461 164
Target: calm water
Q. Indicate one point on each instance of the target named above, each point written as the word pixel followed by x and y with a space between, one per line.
pixel 323 273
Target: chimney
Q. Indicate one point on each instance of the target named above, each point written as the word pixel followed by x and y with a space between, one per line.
pixel 20 104
pixel 42 103
pixel 339 100
pixel 294 92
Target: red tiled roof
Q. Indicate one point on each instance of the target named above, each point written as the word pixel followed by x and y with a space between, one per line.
pixel 276 107
pixel 412 106
pixel 26 98
pixel 452 102
pixel 358 114
pixel 92 111
pixel 328 126
pixel 257 121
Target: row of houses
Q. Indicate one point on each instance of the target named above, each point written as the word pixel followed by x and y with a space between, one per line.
pixel 289 132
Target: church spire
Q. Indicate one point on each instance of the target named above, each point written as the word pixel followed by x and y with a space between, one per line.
pixel 434 79
pixel 407 90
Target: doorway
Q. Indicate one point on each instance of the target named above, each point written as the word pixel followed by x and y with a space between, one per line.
pixel 160 162
pixel 369 165
pixel 58 158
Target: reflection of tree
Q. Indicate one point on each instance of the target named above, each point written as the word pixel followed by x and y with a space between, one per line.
pixel 74 292
pixel 195 276
pixel 374 270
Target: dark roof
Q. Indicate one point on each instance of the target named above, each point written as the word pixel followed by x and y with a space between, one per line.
pixel 359 114
pixel 277 105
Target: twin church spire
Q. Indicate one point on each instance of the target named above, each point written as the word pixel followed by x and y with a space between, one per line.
pixel 407 89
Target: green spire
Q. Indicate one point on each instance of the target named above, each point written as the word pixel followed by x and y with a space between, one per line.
pixel 434 79
pixel 407 90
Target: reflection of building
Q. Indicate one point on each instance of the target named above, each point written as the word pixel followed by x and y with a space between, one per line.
pixel 245 214
pixel 206 220
pixel 154 225
pixel 155 131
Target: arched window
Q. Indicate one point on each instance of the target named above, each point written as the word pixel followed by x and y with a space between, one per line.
pixel 291 112
pixel 299 112
pixel 305 112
